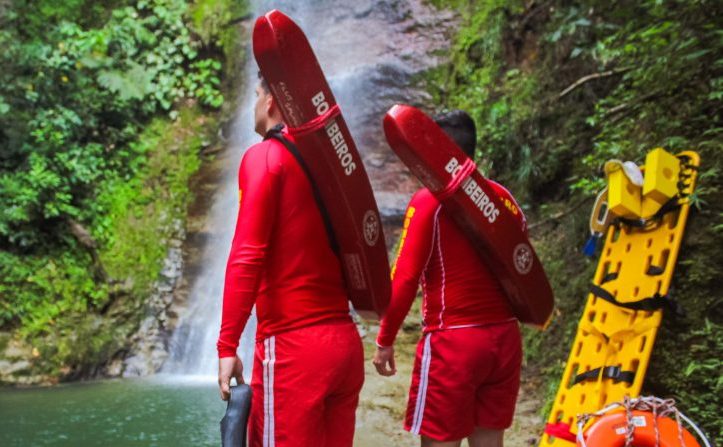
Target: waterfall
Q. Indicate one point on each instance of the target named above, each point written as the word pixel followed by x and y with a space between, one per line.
pixel 193 344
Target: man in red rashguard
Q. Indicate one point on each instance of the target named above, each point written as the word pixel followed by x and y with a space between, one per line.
pixel 467 367
pixel 308 360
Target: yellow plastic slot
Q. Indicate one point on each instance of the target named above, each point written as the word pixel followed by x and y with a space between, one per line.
pixel 635 263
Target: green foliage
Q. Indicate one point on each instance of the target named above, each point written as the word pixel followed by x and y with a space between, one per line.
pixel 72 96
pixel 98 128
pixel 53 297
pixel 636 75
pixel 484 78
pixel 694 380
pixel 204 82
pixel 38 289
pixel 78 344
pixel 213 21
pixel 142 212
pixel 670 89
pixel 38 13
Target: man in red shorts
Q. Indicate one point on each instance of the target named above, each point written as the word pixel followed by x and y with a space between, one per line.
pixel 308 361
pixel 467 368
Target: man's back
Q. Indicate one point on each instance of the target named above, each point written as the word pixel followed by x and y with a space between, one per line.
pixel 280 256
pixel 459 288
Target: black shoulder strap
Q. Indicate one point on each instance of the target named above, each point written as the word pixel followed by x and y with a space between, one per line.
pixel 275 133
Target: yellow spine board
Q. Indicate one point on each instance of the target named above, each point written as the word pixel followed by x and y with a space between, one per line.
pixel 610 335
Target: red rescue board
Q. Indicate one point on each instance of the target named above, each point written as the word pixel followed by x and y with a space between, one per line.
pixel 475 207
pixel 309 109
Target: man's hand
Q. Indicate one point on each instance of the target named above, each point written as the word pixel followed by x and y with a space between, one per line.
pixel 382 358
pixel 229 367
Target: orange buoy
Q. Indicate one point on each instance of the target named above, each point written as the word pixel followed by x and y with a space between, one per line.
pixel 610 430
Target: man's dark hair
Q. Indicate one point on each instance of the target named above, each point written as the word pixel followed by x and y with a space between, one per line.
pixel 264 83
pixel 460 128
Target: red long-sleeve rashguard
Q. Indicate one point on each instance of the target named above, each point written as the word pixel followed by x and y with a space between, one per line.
pixel 280 256
pixel 459 289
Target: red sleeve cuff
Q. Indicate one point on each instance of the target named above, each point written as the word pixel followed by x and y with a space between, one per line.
pixel 225 350
pixel 385 341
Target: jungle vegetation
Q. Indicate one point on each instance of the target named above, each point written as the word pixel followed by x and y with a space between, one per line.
pixel 557 88
pixel 104 110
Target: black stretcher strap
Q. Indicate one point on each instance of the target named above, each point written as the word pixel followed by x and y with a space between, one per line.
pixel 670 205
pixel 609 277
pixel 608 372
pixel 653 270
pixel 275 133
pixel 651 303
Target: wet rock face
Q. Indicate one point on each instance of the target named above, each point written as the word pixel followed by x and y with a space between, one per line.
pixel 149 345
pixel 14 355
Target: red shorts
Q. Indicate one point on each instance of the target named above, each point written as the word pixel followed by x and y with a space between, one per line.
pixel 465 378
pixel 306 385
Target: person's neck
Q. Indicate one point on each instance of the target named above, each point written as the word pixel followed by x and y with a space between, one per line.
pixel 271 124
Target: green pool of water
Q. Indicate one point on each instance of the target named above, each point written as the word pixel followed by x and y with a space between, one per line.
pixel 162 411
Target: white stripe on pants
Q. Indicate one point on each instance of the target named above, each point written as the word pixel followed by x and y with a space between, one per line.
pixel 269 360
pixel 424 379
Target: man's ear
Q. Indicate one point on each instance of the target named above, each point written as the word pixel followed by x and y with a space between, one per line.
pixel 270 105
pixel 272 108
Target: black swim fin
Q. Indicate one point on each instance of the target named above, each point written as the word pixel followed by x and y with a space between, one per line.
pixel 233 424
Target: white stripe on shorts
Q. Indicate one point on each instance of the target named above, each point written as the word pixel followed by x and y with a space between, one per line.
pixel 269 360
pixel 422 391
